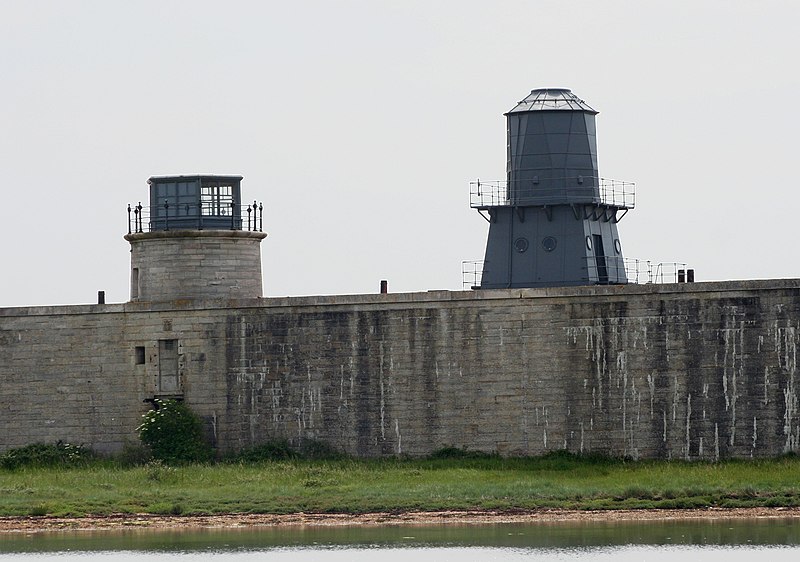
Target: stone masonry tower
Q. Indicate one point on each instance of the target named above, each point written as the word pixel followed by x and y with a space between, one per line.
pixel 553 222
pixel 195 240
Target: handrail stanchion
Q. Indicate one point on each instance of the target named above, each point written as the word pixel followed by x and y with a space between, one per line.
pixel 190 215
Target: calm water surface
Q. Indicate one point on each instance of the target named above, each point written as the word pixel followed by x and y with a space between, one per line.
pixel 724 540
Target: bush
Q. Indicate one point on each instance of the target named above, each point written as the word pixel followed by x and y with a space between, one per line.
pixel 157 471
pixel 133 454
pixel 318 450
pixel 40 454
pixel 270 451
pixel 174 433
pixel 458 453
pixel 281 450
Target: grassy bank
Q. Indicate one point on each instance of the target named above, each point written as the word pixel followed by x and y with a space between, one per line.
pixel 360 486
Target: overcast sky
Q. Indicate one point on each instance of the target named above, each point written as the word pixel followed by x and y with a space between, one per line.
pixel 360 124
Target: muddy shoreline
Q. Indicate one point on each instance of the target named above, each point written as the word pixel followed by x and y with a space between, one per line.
pixel 238 521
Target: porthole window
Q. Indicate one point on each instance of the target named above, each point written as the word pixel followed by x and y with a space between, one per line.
pixel 617 246
pixel 588 242
pixel 521 244
pixel 549 243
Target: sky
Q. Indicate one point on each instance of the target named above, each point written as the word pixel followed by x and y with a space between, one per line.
pixel 360 123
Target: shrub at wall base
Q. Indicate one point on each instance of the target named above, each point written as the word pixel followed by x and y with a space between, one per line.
pixel 174 433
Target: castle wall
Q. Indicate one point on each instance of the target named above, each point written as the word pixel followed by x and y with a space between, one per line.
pixel 704 370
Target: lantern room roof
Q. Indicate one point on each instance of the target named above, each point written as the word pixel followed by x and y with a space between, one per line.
pixel 552 99
pixel 187 177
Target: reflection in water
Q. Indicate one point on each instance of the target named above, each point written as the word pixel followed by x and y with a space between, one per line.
pixel 693 540
pixel 438 554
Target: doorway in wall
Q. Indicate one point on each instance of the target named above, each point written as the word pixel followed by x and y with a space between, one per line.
pixel 168 379
pixel 600 259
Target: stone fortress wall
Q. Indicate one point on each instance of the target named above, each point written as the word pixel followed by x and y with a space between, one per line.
pixel 685 371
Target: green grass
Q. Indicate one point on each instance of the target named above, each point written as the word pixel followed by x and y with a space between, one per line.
pixel 359 486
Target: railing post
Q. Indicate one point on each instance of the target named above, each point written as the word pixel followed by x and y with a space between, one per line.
pixel 129 218
pixel 260 217
pixel 137 211
pixel 166 214
pixel 249 211
pixel 233 217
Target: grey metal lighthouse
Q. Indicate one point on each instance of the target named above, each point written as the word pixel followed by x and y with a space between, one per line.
pixel 553 221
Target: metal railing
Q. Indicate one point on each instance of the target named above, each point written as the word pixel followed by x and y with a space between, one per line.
pixel 617 193
pixel 603 269
pixel 611 269
pixel 586 190
pixel 646 271
pixel 185 216
pixel 471 274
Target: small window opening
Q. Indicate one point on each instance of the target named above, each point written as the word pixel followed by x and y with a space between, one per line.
pixel 139 354
pixel 135 283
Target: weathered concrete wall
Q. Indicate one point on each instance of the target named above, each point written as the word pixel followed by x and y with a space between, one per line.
pixel 705 370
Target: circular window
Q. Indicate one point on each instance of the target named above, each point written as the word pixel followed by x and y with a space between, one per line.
pixel 589 242
pixel 549 243
pixel 617 246
pixel 521 244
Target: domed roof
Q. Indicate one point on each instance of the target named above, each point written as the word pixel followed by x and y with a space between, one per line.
pixel 552 99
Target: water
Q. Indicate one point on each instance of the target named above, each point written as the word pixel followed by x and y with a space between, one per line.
pixel 723 540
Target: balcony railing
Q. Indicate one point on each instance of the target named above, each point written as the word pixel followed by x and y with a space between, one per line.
pixel 184 216
pixel 471 274
pixel 646 271
pixel 579 190
pixel 606 269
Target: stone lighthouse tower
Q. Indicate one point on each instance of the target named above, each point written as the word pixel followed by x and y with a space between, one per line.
pixel 553 222
pixel 195 240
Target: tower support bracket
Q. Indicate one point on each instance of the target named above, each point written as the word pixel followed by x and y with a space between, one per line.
pixel 616 218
